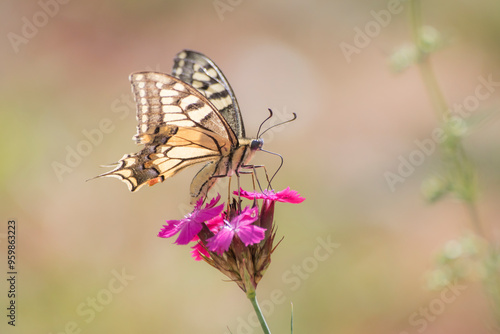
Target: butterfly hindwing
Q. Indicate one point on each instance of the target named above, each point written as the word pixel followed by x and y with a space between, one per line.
pixel 203 74
pixel 166 155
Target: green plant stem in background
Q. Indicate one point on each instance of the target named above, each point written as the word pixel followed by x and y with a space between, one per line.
pixel 424 64
pixel 492 281
pixel 474 216
pixel 253 299
pixel 461 173
pixel 458 165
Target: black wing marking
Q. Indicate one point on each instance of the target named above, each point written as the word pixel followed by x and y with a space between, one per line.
pixel 164 101
pixel 203 74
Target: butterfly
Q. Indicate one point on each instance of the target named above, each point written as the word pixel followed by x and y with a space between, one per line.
pixel 186 118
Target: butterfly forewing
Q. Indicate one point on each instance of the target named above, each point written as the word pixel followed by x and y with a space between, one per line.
pixel 203 74
pixel 163 100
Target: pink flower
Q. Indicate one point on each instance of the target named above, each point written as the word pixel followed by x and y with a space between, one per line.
pixel 242 226
pixel 191 224
pixel 286 195
pixel 237 242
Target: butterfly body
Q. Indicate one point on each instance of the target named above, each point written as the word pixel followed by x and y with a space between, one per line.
pixel 189 118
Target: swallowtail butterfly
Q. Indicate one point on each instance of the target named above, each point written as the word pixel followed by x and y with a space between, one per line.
pixel 186 118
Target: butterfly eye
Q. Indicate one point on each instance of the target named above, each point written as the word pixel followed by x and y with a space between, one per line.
pixel 256 144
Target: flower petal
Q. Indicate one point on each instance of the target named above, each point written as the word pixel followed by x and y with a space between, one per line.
pixel 251 234
pixel 248 194
pixel 190 225
pixel 198 204
pixel 188 231
pixel 289 196
pixel 198 251
pixel 286 195
pixel 247 216
pixel 215 223
pixel 213 202
pixel 170 229
pixel 220 242
pixel 206 214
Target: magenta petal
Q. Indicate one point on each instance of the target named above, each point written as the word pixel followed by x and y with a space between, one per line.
pixel 289 196
pixel 286 195
pixel 251 234
pixel 207 214
pixel 189 230
pixel 220 242
pixel 191 224
pixel 198 204
pixel 247 194
pixel 215 223
pixel 166 233
pixel 213 202
pixel 198 251
pixel 248 216
pixel 170 229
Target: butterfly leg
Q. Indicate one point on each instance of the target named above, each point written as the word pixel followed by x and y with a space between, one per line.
pixel 229 192
pixel 254 171
pixel 254 176
pixel 239 188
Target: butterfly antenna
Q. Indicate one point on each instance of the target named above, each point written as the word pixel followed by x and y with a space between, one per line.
pixel 281 164
pixel 290 120
pixel 268 117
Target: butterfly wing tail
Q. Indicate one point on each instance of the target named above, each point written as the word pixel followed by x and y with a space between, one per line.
pixel 166 157
pixel 132 170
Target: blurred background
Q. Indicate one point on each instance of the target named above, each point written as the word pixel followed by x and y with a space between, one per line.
pixel 66 109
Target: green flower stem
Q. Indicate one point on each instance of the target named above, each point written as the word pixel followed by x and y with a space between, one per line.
pixel 253 298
